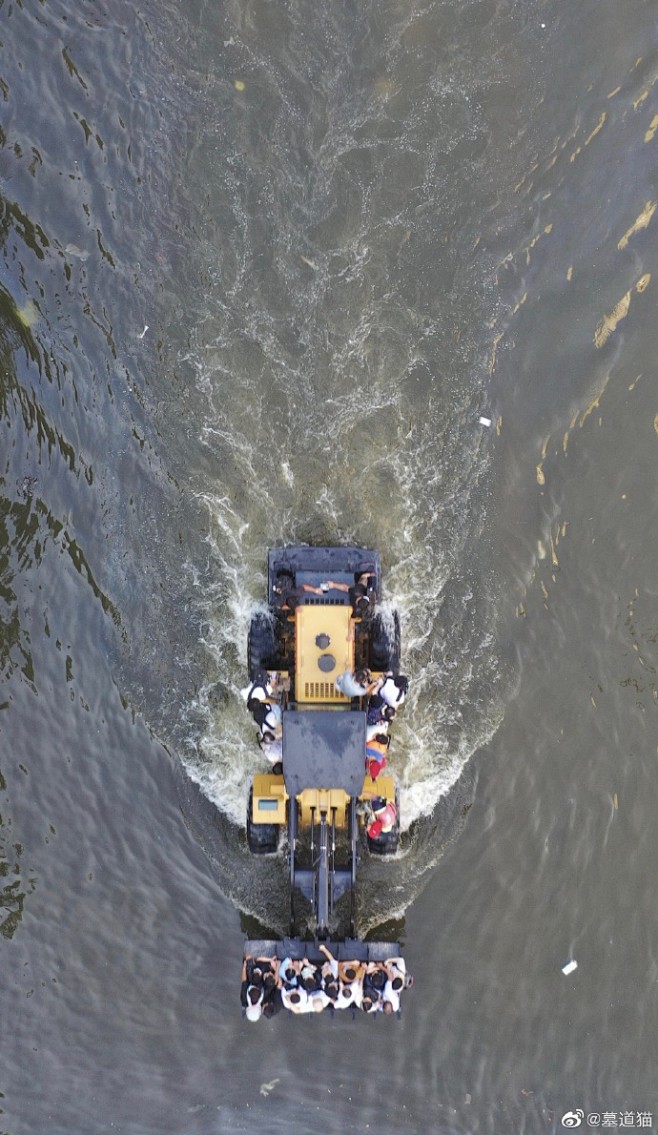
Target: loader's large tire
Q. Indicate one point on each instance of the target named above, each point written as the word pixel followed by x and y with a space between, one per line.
pixel 385 643
pixel 261 646
pixel 263 839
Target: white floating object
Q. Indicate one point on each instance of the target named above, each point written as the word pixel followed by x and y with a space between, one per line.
pixel 570 966
pixel 146 327
pixel 485 421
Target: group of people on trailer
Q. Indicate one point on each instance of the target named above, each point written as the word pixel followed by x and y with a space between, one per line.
pixel 301 986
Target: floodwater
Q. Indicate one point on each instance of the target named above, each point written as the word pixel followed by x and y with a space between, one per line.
pixel 267 272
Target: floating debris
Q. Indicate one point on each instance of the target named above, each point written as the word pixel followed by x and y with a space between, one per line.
pixel 642 222
pixel 76 251
pixel 651 132
pixel 239 85
pixel 554 560
pixel 609 322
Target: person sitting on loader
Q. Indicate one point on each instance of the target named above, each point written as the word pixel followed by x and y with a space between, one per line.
pixel 377 727
pixel 393 689
pixel 267 716
pixel 288 594
pixel 355 683
pixel 358 592
pixel 272 748
pixel 285 594
pixel 265 687
pixel 376 749
pixel 385 815
pixel 379 712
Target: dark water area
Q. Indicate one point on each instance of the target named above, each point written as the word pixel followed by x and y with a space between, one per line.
pixel 264 272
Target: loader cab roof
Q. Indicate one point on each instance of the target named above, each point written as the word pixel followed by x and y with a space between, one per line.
pixel 324 749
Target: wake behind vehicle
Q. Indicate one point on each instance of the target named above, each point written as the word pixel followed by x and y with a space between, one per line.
pixel 324 625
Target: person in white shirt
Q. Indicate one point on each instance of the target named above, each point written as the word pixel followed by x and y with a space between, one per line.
pixel 355 683
pixel 393 689
pixel 296 1000
pixel 255 997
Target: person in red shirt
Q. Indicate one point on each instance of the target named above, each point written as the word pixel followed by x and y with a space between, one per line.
pixel 376 749
pixel 385 815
